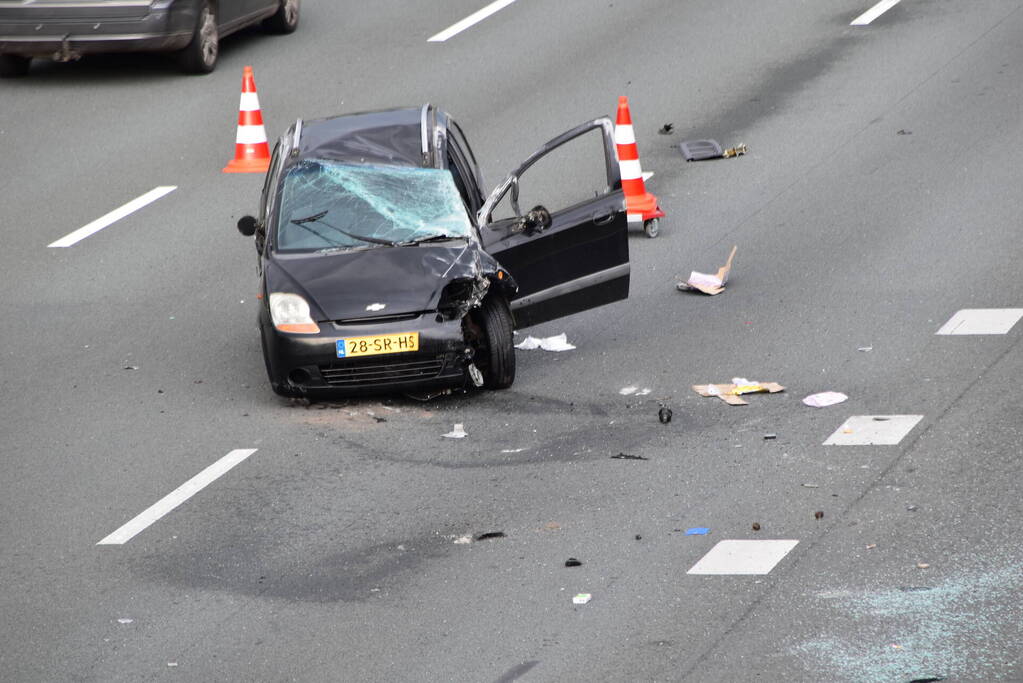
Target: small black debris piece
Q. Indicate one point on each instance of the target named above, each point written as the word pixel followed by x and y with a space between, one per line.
pixel 903 131
pixel 572 562
pixel 639 537
pixel 756 526
pixel 768 437
pixel 664 415
pixel 667 129
pixel 819 514
pixel 626 456
pixel 928 679
pixel 489 535
pixel 380 419
pixel 911 508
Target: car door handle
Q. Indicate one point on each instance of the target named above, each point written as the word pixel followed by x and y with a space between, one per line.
pixel 603 220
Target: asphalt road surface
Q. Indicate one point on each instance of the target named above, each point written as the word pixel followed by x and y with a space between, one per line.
pixel 880 197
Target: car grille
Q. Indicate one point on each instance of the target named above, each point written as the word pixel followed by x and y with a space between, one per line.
pixel 365 372
pixel 377 319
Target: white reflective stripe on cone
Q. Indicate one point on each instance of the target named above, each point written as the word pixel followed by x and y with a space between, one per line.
pixel 635 217
pixel 630 169
pixel 249 102
pixel 625 135
pixel 250 135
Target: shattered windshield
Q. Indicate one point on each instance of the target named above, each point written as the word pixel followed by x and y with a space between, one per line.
pixel 328 205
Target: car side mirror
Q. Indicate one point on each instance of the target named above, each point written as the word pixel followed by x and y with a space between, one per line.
pixel 536 220
pixel 247 225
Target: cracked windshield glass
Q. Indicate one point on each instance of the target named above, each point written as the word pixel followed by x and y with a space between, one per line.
pixel 331 206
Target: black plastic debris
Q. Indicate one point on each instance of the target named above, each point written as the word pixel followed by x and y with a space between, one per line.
pixel 379 419
pixel 667 129
pixel 903 131
pixel 627 456
pixel 664 415
pixel 768 437
pixel 697 150
pixel 639 537
pixel 819 514
pixel 131 367
pixel 489 535
pixel 756 526
pixel 928 679
pixel 572 562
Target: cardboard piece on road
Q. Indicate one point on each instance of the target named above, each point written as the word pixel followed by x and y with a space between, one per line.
pixel 709 284
pixel 732 394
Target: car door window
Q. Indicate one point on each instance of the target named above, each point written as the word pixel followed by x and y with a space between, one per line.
pixel 574 173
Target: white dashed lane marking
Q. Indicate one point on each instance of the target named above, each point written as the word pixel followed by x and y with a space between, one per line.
pixel 873 430
pixel 177 497
pixel 874 12
pixel 471 20
pixel 743 557
pixel 982 321
pixel 117 214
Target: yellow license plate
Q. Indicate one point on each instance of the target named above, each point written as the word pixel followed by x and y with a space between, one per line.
pixel 375 345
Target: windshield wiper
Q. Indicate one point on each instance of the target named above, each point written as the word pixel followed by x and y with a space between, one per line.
pixel 433 238
pixel 318 217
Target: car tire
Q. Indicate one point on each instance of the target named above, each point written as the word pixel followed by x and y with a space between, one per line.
pixel 286 18
pixel 200 55
pixel 498 355
pixel 14 66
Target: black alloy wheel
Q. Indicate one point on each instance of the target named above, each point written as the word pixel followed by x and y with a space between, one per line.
pixel 13 66
pixel 286 18
pixel 200 55
pixel 496 357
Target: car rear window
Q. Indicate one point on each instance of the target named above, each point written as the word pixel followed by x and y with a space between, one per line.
pixel 366 206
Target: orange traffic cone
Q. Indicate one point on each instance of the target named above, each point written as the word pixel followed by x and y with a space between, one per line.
pixel 251 151
pixel 640 205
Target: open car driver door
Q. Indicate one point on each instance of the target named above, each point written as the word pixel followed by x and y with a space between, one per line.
pixel 564 259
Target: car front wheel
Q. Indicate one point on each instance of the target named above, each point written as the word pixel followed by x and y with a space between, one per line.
pixel 200 55
pixel 286 18
pixel 12 66
pixel 496 358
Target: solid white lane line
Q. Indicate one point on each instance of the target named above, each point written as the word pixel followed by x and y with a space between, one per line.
pixel 982 321
pixel 874 12
pixel 743 557
pixel 471 20
pixel 177 496
pixel 112 217
pixel 873 430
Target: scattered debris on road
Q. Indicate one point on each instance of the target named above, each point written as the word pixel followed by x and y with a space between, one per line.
pixel 756 526
pixel 770 436
pixel 708 284
pixel 463 540
pixel 489 535
pixel 818 515
pixel 131 367
pixel 633 391
pixel 824 399
pixel 558 342
pixel 551 526
pixel 572 562
pixel 664 414
pixel 922 565
pixel 871 546
pixel 903 131
pixel 639 537
pixel 458 432
pixel 581 598
pixel 811 486
pixel 700 150
pixel 626 456
pixel 865 349
pixel 731 393
pixel 667 129
pixel 911 508
pixel 697 531
pixel 125 620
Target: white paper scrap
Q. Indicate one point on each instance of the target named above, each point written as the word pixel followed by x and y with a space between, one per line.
pixel 457 433
pixel 558 342
pixel 824 399
pixel 628 391
pixel 581 598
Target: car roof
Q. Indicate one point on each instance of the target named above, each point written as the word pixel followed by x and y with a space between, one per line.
pixel 394 137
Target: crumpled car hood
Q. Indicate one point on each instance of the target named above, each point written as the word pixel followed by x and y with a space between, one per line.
pixel 404 279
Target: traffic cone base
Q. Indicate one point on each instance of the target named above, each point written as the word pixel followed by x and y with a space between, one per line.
pixel 251 149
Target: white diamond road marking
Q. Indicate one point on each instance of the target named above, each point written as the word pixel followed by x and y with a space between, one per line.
pixel 743 557
pixel 873 430
pixel 982 321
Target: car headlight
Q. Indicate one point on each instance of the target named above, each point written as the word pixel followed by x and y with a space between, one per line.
pixel 290 313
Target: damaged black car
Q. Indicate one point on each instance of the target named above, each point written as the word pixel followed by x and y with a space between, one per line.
pixel 385 268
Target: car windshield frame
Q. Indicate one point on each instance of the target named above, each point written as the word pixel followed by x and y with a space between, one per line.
pixel 330 206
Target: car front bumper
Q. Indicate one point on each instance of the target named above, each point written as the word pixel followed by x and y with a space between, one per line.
pixel 159 30
pixel 308 363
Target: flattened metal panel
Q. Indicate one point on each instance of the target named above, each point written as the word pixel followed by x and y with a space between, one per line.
pixel 982 321
pixel 743 557
pixel 873 430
